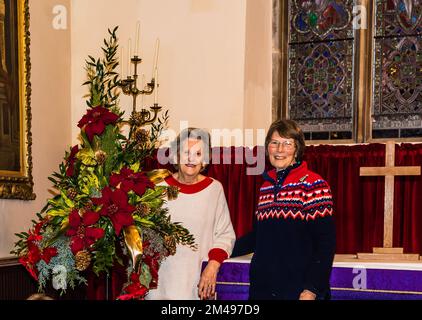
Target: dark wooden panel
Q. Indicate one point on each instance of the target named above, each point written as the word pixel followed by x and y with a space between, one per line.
pixel 17 284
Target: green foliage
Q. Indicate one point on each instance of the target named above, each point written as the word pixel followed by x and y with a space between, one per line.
pixel 160 221
pixel 48 250
pixel 102 78
pixel 109 146
pixel 145 277
pixel 105 248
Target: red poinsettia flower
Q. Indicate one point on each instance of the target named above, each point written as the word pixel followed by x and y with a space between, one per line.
pixel 115 206
pixel 134 290
pixel 48 253
pixel 35 234
pixel 129 180
pixel 35 254
pixel 96 120
pixel 30 260
pixel 71 161
pixel 81 231
pixel 29 267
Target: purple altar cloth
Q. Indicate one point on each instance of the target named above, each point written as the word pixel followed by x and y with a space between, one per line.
pixel 349 280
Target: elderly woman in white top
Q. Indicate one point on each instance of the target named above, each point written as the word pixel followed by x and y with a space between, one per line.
pixel 201 207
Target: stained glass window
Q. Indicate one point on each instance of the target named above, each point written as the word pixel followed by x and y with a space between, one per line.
pixel 397 101
pixel 321 47
pixel 325 59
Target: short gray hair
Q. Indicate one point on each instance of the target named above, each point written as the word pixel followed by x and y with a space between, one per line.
pixel 191 133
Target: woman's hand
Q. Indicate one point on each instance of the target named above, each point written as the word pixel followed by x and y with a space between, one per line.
pixel 307 295
pixel 206 286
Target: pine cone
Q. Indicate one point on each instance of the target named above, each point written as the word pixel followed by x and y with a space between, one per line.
pixel 141 136
pixel 100 156
pixel 142 210
pixel 172 192
pixel 88 206
pixel 136 119
pixel 82 260
pixel 71 193
pixel 170 245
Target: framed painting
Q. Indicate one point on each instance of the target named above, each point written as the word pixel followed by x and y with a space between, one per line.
pixel 16 180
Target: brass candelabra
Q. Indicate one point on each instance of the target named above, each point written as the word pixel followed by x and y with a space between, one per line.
pixel 129 87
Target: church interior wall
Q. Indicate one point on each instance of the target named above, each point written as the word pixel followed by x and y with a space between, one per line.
pixel 50 105
pixel 205 58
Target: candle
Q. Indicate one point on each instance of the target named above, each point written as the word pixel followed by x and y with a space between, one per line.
pixel 156 86
pixel 138 38
pixel 129 62
pixel 157 48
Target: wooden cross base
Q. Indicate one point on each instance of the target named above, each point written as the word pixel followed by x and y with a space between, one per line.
pixel 383 254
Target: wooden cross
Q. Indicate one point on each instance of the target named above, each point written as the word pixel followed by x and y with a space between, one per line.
pixel 389 171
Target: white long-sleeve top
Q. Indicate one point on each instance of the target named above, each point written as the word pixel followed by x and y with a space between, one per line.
pixel 202 209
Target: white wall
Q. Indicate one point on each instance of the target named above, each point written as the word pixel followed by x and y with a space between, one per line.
pixel 202 55
pixel 50 103
pixel 258 67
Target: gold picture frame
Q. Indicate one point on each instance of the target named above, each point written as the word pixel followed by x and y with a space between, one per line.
pixel 16 180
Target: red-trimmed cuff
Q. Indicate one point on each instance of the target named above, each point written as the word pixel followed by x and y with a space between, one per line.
pixel 218 255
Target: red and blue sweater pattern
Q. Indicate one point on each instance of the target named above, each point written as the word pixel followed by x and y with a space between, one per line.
pixel 293 238
pixel 302 195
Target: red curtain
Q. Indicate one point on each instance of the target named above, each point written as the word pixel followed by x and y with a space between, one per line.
pixel 358 201
pixel 407 200
pixel 241 189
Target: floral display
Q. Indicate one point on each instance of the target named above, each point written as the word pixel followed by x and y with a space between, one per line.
pixel 106 203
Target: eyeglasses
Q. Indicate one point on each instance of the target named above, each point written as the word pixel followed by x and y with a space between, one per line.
pixel 287 145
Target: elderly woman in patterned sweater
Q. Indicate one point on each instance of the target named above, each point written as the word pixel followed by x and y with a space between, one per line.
pixel 293 239
pixel 201 207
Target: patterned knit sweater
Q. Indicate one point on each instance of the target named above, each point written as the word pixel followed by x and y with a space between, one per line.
pixel 293 238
